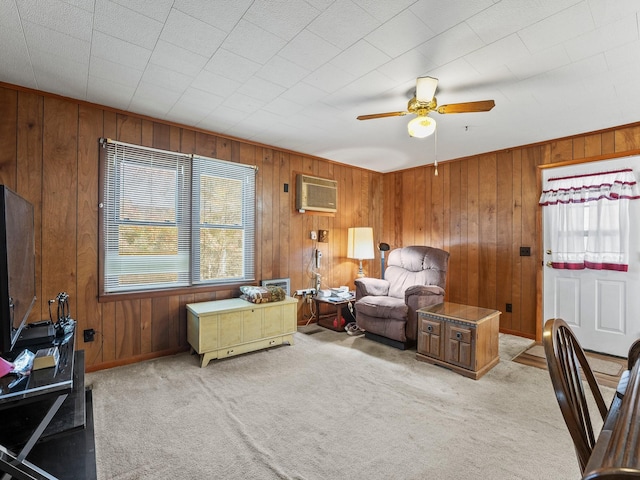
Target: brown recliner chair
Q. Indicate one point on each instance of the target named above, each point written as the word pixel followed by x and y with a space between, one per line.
pixel 386 308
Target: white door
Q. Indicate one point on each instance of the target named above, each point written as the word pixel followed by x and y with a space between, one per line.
pixel 602 306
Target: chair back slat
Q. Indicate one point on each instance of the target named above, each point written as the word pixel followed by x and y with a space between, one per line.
pixel 568 368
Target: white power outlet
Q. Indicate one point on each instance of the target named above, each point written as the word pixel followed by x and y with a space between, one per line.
pixel 314 235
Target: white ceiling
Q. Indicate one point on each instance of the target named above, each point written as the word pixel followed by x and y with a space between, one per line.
pixel 296 73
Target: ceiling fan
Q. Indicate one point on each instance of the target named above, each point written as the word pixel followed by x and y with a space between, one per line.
pixel 424 102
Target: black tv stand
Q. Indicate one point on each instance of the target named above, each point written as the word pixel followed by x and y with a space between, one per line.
pixel 35 335
pixel 49 402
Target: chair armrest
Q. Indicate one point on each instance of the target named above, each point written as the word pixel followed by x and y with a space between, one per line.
pixel 425 294
pixel 417 297
pixel 371 286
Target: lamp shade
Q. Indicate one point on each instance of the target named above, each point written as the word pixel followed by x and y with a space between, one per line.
pixel 360 244
pixel 421 127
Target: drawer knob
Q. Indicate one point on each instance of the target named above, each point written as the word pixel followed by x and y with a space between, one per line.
pixel 429 328
pixel 458 335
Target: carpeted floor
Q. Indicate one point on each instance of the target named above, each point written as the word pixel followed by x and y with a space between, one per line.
pixel 607 369
pixel 332 406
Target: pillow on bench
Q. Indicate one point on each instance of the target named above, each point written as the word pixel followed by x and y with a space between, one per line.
pixel 266 294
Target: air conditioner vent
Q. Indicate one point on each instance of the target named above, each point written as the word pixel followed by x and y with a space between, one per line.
pixel 316 194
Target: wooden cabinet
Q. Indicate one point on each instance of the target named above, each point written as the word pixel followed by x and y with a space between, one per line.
pixel 460 337
pixel 224 328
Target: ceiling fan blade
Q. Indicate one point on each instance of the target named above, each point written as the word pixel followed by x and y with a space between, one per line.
pixel 467 107
pixel 425 89
pixel 381 115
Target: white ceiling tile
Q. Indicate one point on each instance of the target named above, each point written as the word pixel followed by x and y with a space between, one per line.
pixel 177 58
pixel 623 55
pixel 451 45
pixel 115 72
pixel 119 51
pixel 148 95
pixel 400 34
pixel 539 62
pixel 58 16
pixel 360 58
pixel 163 77
pixel 195 96
pixel 156 9
pixel 221 119
pixel 510 16
pixel 125 24
pixel 243 103
pixel 106 92
pixel 46 40
pixel 309 51
pixel 343 24
pixel 384 11
pixel 407 66
pixel 10 18
pixel 303 94
pixel 558 28
pixel 282 71
pixel 214 83
pixel 329 78
pixel 441 16
pixel 188 113
pixel 497 54
pixel 87 5
pixel 223 14
pixel 261 89
pixel 284 18
pixel 252 42
pixel 608 36
pixel 61 75
pixel 14 58
pixel 192 34
pixel 606 11
pixel 232 66
pixel 283 107
pixel 370 92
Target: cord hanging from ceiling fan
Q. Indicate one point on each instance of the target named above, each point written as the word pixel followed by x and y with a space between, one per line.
pixel 435 152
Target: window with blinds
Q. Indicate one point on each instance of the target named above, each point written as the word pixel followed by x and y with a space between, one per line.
pixel 174 220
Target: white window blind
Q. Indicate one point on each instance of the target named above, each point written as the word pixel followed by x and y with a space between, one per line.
pixel 223 215
pixel 150 238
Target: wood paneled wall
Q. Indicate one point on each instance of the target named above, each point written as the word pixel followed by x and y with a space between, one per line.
pixel 49 154
pixel 481 209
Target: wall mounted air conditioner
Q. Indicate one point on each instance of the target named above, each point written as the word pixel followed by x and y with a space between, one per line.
pixel 316 194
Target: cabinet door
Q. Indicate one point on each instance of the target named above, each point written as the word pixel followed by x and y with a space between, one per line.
pixel 230 329
pixel 460 345
pixel 252 324
pixel 430 337
pixel 272 321
pixel 290 317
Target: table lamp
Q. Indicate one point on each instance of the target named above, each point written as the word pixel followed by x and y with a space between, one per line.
pixel 360 245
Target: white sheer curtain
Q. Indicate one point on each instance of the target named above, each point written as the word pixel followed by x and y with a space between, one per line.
pixel 589 219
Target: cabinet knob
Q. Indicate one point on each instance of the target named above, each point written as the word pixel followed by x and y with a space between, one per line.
pixel 429 328
pixel 458 335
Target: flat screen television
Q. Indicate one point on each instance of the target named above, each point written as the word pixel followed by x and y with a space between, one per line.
pixel 17 266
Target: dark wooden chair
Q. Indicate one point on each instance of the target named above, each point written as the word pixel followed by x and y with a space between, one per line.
pixel 568 366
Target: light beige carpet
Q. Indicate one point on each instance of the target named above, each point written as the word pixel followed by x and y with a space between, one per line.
pixel 331 406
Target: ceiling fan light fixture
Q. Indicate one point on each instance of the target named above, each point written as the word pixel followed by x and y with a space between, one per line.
pixel 421 127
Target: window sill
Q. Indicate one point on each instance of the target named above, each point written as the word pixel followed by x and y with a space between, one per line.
pixel 168 292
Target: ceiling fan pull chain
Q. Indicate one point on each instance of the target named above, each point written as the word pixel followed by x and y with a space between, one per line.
pixel 435 149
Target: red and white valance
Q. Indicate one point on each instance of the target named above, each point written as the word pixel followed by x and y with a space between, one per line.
pixel 588 218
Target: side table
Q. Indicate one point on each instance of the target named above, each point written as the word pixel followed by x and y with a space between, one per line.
pixel 462 338
pixel 335 312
